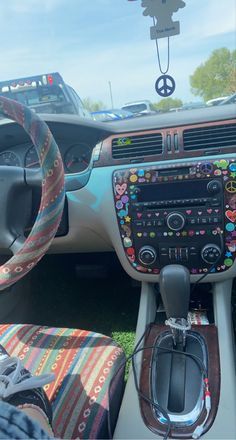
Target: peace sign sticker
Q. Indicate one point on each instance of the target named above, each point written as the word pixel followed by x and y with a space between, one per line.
pixel 165 85
pixel 231 186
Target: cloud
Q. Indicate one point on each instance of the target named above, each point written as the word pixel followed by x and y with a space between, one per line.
pixel 205 19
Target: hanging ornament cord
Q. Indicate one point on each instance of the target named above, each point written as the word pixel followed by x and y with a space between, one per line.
pixel 158 53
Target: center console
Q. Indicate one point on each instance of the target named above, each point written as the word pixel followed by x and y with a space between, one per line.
pixel 177 220
pixel 178 214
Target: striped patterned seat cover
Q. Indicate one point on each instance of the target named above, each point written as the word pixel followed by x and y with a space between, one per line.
pixel 83 363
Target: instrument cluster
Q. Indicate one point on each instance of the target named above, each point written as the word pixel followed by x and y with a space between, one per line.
pixel 76 156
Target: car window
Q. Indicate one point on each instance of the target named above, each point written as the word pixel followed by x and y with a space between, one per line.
pixel 136 108
pixel 103 50
pixel 37 95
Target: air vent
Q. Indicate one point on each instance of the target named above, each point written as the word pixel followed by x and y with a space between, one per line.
pixel 137 146
pixel 214 136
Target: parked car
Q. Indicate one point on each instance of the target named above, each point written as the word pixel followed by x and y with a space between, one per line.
pixel 216 101
pixel 47 93
pixel 192 105
pixel 140 107
pixel 229 100
pixel 111 115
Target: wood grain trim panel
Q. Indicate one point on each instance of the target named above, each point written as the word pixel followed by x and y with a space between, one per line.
pixel 209 333
pixel 106 158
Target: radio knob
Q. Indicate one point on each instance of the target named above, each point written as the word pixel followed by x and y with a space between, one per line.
pixel 210 253
pixel 214 186
pixel 147 255
pixel 175 221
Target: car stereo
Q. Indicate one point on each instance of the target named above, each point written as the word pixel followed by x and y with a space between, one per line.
pixel 178 215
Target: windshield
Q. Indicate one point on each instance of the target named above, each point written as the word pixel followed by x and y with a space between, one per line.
pixel 103 50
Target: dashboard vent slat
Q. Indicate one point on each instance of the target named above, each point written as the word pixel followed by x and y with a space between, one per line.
pixel 221 136
pixel 137 146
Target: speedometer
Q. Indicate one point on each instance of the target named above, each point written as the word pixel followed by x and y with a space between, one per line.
pixel 77 158
pixel 31 158
pixel 10 159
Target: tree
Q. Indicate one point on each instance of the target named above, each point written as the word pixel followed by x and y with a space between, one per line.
pixel 166 104
pixel 215 77
pixel 93 106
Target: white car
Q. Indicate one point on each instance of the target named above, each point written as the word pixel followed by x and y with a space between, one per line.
pixel 140 107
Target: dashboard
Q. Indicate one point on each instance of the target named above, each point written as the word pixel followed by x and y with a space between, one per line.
pixel 121 183
pixel 76 156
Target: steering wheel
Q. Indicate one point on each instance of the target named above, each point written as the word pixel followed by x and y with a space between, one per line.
pixel 15 182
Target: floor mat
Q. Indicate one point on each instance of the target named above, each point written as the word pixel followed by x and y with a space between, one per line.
pixel 106 305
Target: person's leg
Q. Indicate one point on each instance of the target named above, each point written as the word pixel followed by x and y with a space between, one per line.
pixel 17 424
pixel 24 393
pixel 37 414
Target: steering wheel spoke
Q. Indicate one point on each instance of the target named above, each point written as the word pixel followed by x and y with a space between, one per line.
pixel 33 177
pixel 11 195
pixel 17 244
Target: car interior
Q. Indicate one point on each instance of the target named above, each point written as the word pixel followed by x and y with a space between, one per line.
pixel 148 211
pixel 118 237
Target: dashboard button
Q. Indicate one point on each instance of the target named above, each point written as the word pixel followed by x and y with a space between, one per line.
pixel 147 255
pixel 164 251
pixel 193 250
pixel 173 254
pixel 210 253
pixel 183 253
pixel 214 186
pixel 175 221
pixel 159 223
pixel 139 223
pixel 192 221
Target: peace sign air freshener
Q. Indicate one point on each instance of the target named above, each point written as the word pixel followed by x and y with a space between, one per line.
pixel 161 12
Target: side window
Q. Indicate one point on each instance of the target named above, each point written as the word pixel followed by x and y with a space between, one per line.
pixel 77 101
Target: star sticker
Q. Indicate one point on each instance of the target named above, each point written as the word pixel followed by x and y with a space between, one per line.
pixel 228 254
pixel 127 219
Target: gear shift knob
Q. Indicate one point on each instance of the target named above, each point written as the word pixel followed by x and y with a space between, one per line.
pixel 175 290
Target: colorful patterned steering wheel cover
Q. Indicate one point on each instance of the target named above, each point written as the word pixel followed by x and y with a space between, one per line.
pixel 53 193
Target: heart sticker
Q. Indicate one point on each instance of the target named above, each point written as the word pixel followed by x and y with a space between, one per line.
pixel 142 269
pixel 131 258
pixel 231 215
pixel 120 189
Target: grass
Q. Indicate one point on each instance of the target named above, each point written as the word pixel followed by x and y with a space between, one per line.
pixel 108 306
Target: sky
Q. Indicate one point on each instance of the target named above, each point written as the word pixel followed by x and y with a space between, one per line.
pixel 94 42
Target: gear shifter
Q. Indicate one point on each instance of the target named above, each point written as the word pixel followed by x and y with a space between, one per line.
pixel 175 292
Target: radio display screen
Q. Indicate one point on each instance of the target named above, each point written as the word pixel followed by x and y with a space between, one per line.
pixel 172 191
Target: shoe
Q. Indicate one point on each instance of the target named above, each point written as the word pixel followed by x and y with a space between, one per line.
pixel 19 387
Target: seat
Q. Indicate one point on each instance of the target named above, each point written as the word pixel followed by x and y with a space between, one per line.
pixel 84 363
